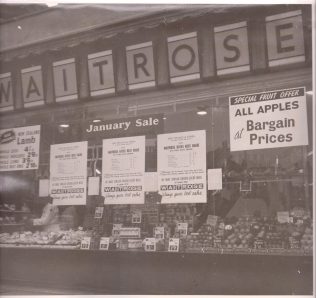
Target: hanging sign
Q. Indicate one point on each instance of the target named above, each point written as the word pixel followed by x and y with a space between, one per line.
pixel 65 80
pixel 183 57
pixel 150 244
pixel 104 243
pixel 101 75
pixel 68 173
pixel 140 66
pixel 182 167
pixel 285 38
pixel 142 125
pixel 123 168
pixel 268 119
pixel 32 85
pixel 6 92
pixel 174 244
pixel 19 148
pixel 232 49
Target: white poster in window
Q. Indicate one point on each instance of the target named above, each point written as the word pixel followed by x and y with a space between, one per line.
pixel 123 169
pixel 19 148
pixel 43 188
pixel 68 173
pixel 151 181
pixel 268 119
pixel 93 186
pixel 182 167
pixel 214 179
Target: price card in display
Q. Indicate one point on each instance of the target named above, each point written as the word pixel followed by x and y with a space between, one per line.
pixel 104 243
pixel 182 227
pixel 136 216
pixel 85 243
pixel 212 220
pixel 283 216
pixel 116 230
pixel 98 212
pixel 159 232
pixel 150 244
pixel 174 245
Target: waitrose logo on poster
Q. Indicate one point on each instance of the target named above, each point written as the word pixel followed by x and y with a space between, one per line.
pixel 268 119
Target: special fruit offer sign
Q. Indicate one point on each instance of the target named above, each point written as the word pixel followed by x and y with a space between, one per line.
pixel 268 119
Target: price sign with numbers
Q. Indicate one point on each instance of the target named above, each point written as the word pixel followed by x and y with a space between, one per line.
pixel 98 212
pixel 104 243
pixel 174 244
pixel 19 148
pixel 159 232
pixel 85 243
pixel 137 216
pixel 150 244
pixel 182 227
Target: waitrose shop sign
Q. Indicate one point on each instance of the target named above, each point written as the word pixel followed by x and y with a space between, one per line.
pixel 102 75
pixel 268 120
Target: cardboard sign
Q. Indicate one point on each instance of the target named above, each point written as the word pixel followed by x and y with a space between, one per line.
pixel 140 66
pixel 101 75
pixel 32 85
pixel 136 216
pixel 124 127
pixel 212 220
pixel 150 244
pixel 159 232
pixel 98 212
pixel 6 92
pixel 20 148
pixel 174 244
pixel 183 57
pixel 65 80
pixel 268 119
pixel 123 168
pixel 68 173
pixel 85 243
pixel 232 50
pixel 283 217
pixel 104 243
pixel 181 167
pixel 285 38
pixel 182 228
pixel 214 179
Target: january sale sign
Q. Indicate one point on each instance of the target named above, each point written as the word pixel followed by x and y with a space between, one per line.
pixel 268 119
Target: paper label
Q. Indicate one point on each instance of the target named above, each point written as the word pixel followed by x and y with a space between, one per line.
pixel 174 245
pixel 98 212
pixel 159 232
pixel 85 243
pixel 150 244
pixel 104 243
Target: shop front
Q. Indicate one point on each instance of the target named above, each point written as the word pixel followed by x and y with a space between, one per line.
pixel 176 147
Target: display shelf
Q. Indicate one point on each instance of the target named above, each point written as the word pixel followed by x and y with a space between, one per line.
pixel 264 252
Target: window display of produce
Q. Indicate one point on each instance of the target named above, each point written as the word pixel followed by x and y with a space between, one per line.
pixel 247 234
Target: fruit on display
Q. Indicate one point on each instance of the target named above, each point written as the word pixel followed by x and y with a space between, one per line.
pixel 307 238
pixel 43 238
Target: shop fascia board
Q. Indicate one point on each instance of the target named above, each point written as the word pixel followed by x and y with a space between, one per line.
pixel 192 95
pixel 93 33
